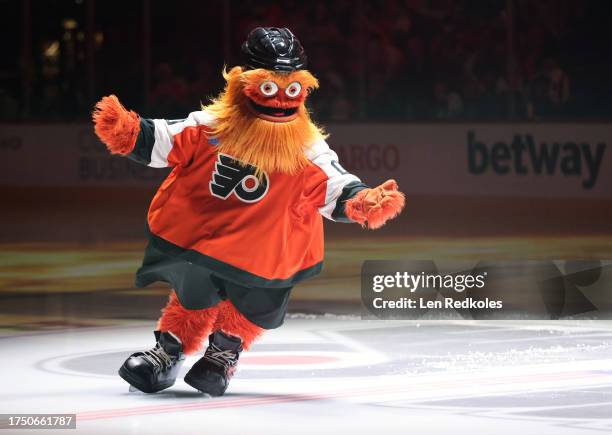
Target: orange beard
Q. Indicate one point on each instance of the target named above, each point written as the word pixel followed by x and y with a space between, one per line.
pixel 269 146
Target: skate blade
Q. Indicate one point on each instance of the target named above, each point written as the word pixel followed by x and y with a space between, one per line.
pixel 209 390
pixel 125 375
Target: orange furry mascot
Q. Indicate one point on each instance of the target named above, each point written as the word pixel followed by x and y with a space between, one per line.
pixel 237 223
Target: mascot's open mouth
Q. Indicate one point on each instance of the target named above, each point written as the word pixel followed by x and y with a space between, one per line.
pixel 274 114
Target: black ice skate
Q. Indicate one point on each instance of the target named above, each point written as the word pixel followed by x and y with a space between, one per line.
pixel 212 373
pixel 156 369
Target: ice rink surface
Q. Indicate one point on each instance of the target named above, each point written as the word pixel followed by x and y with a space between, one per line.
pixel 69 316
pixel 333 374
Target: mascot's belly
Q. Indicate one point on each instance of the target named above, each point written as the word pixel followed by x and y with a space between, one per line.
pixel 264 229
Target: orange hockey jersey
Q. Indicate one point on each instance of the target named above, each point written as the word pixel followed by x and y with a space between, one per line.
pixel 212 211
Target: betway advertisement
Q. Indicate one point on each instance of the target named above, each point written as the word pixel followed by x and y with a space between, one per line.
pixel 537 160
pixel 531 160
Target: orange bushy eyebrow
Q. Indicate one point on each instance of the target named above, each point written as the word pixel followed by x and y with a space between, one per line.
pixel 257 76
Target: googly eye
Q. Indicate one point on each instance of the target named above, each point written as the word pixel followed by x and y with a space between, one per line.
pixel 293 90
pixel 268 88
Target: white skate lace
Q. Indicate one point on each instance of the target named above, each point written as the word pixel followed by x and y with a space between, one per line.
pixel 158 357
pixel 220 357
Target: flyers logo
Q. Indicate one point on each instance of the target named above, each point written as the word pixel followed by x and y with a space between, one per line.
pixel 230 176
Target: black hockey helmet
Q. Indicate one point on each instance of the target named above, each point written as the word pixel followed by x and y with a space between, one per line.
pixel 273 48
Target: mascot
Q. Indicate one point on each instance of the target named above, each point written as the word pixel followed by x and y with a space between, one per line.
pixel 237 223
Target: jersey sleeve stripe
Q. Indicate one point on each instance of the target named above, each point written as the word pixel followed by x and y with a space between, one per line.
pixel 326 159
pixel 144 142
pixel 156 138
pixel 349 191
pixel 163 144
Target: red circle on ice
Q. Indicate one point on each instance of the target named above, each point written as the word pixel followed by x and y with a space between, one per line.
pixel 287 359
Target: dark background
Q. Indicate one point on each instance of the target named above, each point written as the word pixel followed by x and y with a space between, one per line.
pixel 403 60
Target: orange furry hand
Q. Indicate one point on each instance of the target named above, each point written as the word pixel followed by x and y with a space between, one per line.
pixel 117 127
pixel 376 206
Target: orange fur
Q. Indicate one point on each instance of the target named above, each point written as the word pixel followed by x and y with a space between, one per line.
pixel 232 322
pixel 253 78
pixel 270 146
pixel 117 127
pixel 192 327
pixel 376 206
